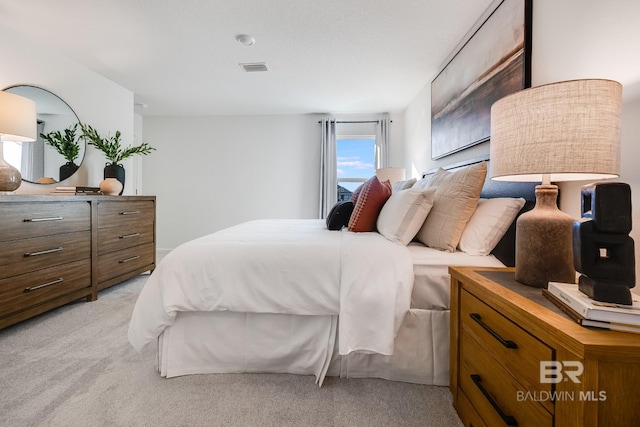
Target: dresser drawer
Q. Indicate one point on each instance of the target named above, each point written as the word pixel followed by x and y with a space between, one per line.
pixel 519 352
pixel 26 220
pixel 121 262
pixel 27 290
pixel 494 393
pixel 118 238
pixel 120 214
pixel 22 256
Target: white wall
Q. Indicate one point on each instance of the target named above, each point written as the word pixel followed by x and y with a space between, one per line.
pixel 572 39
pixel 215 171
pixel 97 101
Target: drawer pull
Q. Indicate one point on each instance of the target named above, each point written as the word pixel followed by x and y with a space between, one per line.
pixel 129 213
pixel 51 218
pixel 122 261
pixel 48 251
pixel 508 419
pixel 44 285
pixel 127 236
pixel 506 343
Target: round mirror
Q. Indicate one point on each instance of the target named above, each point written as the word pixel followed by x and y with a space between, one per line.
pixel 39 162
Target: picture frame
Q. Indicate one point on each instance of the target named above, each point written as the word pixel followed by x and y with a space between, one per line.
pixel 493 60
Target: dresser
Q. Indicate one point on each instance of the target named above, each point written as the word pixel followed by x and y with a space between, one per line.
pixel 516 359
pixel 58 249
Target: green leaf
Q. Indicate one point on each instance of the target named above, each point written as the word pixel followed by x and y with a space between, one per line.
pixel 67 144
pixel 111 146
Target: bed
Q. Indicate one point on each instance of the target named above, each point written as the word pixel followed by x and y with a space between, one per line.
pixel 291 296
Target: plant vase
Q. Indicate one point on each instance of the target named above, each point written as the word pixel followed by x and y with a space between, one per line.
pixel 114 170
pixel 67 170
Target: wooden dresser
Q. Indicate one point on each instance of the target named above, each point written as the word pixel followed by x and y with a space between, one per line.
pixel 57 249
pixel 516 359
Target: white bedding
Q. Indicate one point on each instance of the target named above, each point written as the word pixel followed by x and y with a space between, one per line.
pixel 284 266
pixel 432 283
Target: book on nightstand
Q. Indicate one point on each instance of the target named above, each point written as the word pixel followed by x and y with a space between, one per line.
pixel 595 311
pixel 574 315
pixel 77 190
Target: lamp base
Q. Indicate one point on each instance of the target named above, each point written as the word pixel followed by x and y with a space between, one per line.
pixel 10 178
pixel 544 249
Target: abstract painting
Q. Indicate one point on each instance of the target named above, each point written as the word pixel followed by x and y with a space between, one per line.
pixel 494 60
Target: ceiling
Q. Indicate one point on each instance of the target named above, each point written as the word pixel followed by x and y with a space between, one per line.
pixel 180 57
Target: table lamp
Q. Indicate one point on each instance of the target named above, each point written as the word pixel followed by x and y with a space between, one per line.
pixel 566 131
pixel 17 123
pixel 392 174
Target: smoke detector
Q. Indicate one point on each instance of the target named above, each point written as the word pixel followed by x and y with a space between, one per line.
pixel 245 39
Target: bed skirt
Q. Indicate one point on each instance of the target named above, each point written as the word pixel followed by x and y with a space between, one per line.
pixel 231 342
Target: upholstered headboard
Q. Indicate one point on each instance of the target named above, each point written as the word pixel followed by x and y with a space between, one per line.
pixel 506 247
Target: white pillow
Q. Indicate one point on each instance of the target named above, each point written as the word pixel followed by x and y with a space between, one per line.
pixel 488 224
pixel 404 213
pixel 403 185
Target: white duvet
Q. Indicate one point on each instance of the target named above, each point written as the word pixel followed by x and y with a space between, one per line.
pixel 284 266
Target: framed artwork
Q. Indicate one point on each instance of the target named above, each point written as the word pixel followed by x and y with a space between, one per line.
pixel 492 61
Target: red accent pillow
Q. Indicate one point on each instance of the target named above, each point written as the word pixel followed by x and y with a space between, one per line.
pixel 355 194
pixel 371 199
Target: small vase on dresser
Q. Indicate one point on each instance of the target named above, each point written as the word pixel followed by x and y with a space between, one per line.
pixel 115 170
pixel 111 187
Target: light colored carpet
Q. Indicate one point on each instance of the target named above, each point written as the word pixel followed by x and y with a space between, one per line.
pixel 74 366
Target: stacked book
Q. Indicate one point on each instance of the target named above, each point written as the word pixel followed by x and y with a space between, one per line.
pixel 77 190
pixel 588 312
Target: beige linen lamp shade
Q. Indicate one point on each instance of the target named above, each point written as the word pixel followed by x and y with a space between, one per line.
pixel 392 174
pixel 566 131
pixel 17 123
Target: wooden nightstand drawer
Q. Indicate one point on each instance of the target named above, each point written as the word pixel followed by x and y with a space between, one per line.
pixel 118 263
pixel 43 285
pixel 471 419
pixel 119 214
pixel 519 352
pixel 22 256
pixel 118 238
pixel 494 393
pixel 595 379
pixel 25 220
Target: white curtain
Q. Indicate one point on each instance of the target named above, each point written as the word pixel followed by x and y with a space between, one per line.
pixel 382 143
pixel 32 166
pixel 328 167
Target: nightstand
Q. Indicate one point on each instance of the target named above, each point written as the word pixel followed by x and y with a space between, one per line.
pixel 516 359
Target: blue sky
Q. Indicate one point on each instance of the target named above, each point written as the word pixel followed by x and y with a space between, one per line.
pixel 355 160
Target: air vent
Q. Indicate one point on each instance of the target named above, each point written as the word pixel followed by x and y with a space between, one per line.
pixel 252 67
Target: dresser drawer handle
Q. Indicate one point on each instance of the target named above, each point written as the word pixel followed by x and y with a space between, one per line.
pixel 129 213
pixel 508 419
pixel 122 261
pixel 127 236
pixel 44 285
pixel 48 251
pixel 506 343
pixel 51 218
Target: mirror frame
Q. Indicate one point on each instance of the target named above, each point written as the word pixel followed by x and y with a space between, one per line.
pixel 60 102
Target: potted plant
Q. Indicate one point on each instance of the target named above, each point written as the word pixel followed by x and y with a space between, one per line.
pixel 66 143
pixel 113 151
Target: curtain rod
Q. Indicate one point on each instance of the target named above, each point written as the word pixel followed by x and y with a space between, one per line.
pixel 357 121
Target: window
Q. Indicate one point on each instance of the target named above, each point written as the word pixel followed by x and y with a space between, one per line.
pixel 355 162
pixel 13 153
pixel 350 153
